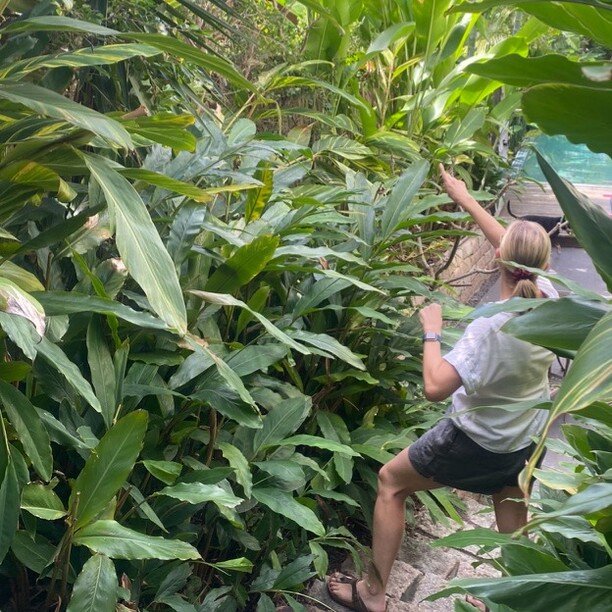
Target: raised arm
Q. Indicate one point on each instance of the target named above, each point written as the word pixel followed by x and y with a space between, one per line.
pixel 456 189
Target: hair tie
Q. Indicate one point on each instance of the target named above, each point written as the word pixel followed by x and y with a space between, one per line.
pixel 521 274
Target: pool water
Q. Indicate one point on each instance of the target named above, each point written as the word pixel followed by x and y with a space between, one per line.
pixel 576 163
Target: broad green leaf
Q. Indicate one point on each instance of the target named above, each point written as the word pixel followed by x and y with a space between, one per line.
pixel 580 589
pixel 26 422
pixel 286 475
pixel 243 265
pixel 9 507
pixel 299 250
pixel 166 182
pixel 166 471
pixel 70 302
pixel 118 542
pixel 225 372
pixel 284 419
pixel 56 23
pixel 198 493
pixel 186 226
pixel 391 35
pixel 57 359
pixel 108 467
pixel 519 559
pixel 397 205
pixel 284 504
pixel 296 573
pixel 464 129
pixel 15 301
pixel 35 552
pixel 320 291
pixel 241 564
pixel 96 587
pixel 316 441
pixel 591 225
pixel 330 346
pixel 42 502
pixel 189 53
pixel 594 498
pixel 96 56
pixel 588 380
pixel 50 104
pixel 227 300
pixel 558 324
pixel 473 537
pixel 14 371
pixel 102 369
pixel 140 246
pixel 238 461
pixel 22 278
pixel 580 113
pixel 521 71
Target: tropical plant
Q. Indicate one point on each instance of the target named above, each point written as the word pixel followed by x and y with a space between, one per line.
pixel 205 357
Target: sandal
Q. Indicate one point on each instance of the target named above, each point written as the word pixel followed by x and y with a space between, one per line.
pixel 356 603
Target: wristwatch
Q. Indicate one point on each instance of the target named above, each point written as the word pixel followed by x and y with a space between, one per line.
pixel 432 337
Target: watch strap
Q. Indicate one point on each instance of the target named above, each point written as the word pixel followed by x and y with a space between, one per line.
pixel 432 337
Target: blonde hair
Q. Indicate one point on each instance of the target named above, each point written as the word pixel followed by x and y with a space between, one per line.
pixel 525 243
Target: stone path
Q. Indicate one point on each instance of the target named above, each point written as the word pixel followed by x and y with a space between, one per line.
pixel 421 570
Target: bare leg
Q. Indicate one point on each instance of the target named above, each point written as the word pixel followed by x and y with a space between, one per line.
pixel 510 515
pixel 396 481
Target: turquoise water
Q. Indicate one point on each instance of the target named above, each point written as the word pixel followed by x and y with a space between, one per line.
pixel 576 163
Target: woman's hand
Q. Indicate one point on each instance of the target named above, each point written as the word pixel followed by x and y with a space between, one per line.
pixel 454 187
pixel 431 318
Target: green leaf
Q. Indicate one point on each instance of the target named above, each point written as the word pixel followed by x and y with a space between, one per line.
pixel 22 278
pixel 108 467
pixel 56 23
pixel 50 104
pixel 57 359
pixel 295 574
pixel 317 442
pixel 118 542
pixel 244 265
pixel 189 53
pixel 580 113
pixel 227 300
pixel 330 346
pixel 9 507
pixel 390 36
pixel 320 291
pixel 284 504
pixel 581 589
pixel 35 552
pixel 15 301
pixel 32 435
pixel 198 493
pixel 238 461
pixel 140 246
pixel 102 369
pixel 241 564
pixel 473 537
pixel 70 302
pixel 187 224
pixel 166 471
pixel 283 419
pixel 42 502
pixel 286 475
pixel 521 71
pixel 96 587
pixel 591 225
pixel 166 182
pixel 397 206
pixel 559 324
pixel 588 380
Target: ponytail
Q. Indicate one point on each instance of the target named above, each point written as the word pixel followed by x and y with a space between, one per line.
pixel 526 288
pixel 525 244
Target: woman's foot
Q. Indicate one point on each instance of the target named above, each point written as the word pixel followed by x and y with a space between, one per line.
pixel 476 603
pixel 341 590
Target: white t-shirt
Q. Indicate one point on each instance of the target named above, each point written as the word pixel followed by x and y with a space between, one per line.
pixel 497 369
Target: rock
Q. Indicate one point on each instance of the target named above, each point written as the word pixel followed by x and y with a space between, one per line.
pixel 428 585
pixel 402 578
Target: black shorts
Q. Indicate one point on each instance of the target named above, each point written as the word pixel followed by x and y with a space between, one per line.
pixel 452 458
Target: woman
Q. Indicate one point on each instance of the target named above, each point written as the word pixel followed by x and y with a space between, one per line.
pixel 482 450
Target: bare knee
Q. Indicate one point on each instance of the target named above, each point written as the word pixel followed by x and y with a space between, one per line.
pixel 388 488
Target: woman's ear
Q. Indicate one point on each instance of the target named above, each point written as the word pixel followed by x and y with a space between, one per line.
pixel 497 253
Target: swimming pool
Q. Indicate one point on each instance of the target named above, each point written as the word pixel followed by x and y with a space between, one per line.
pixel 576 163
